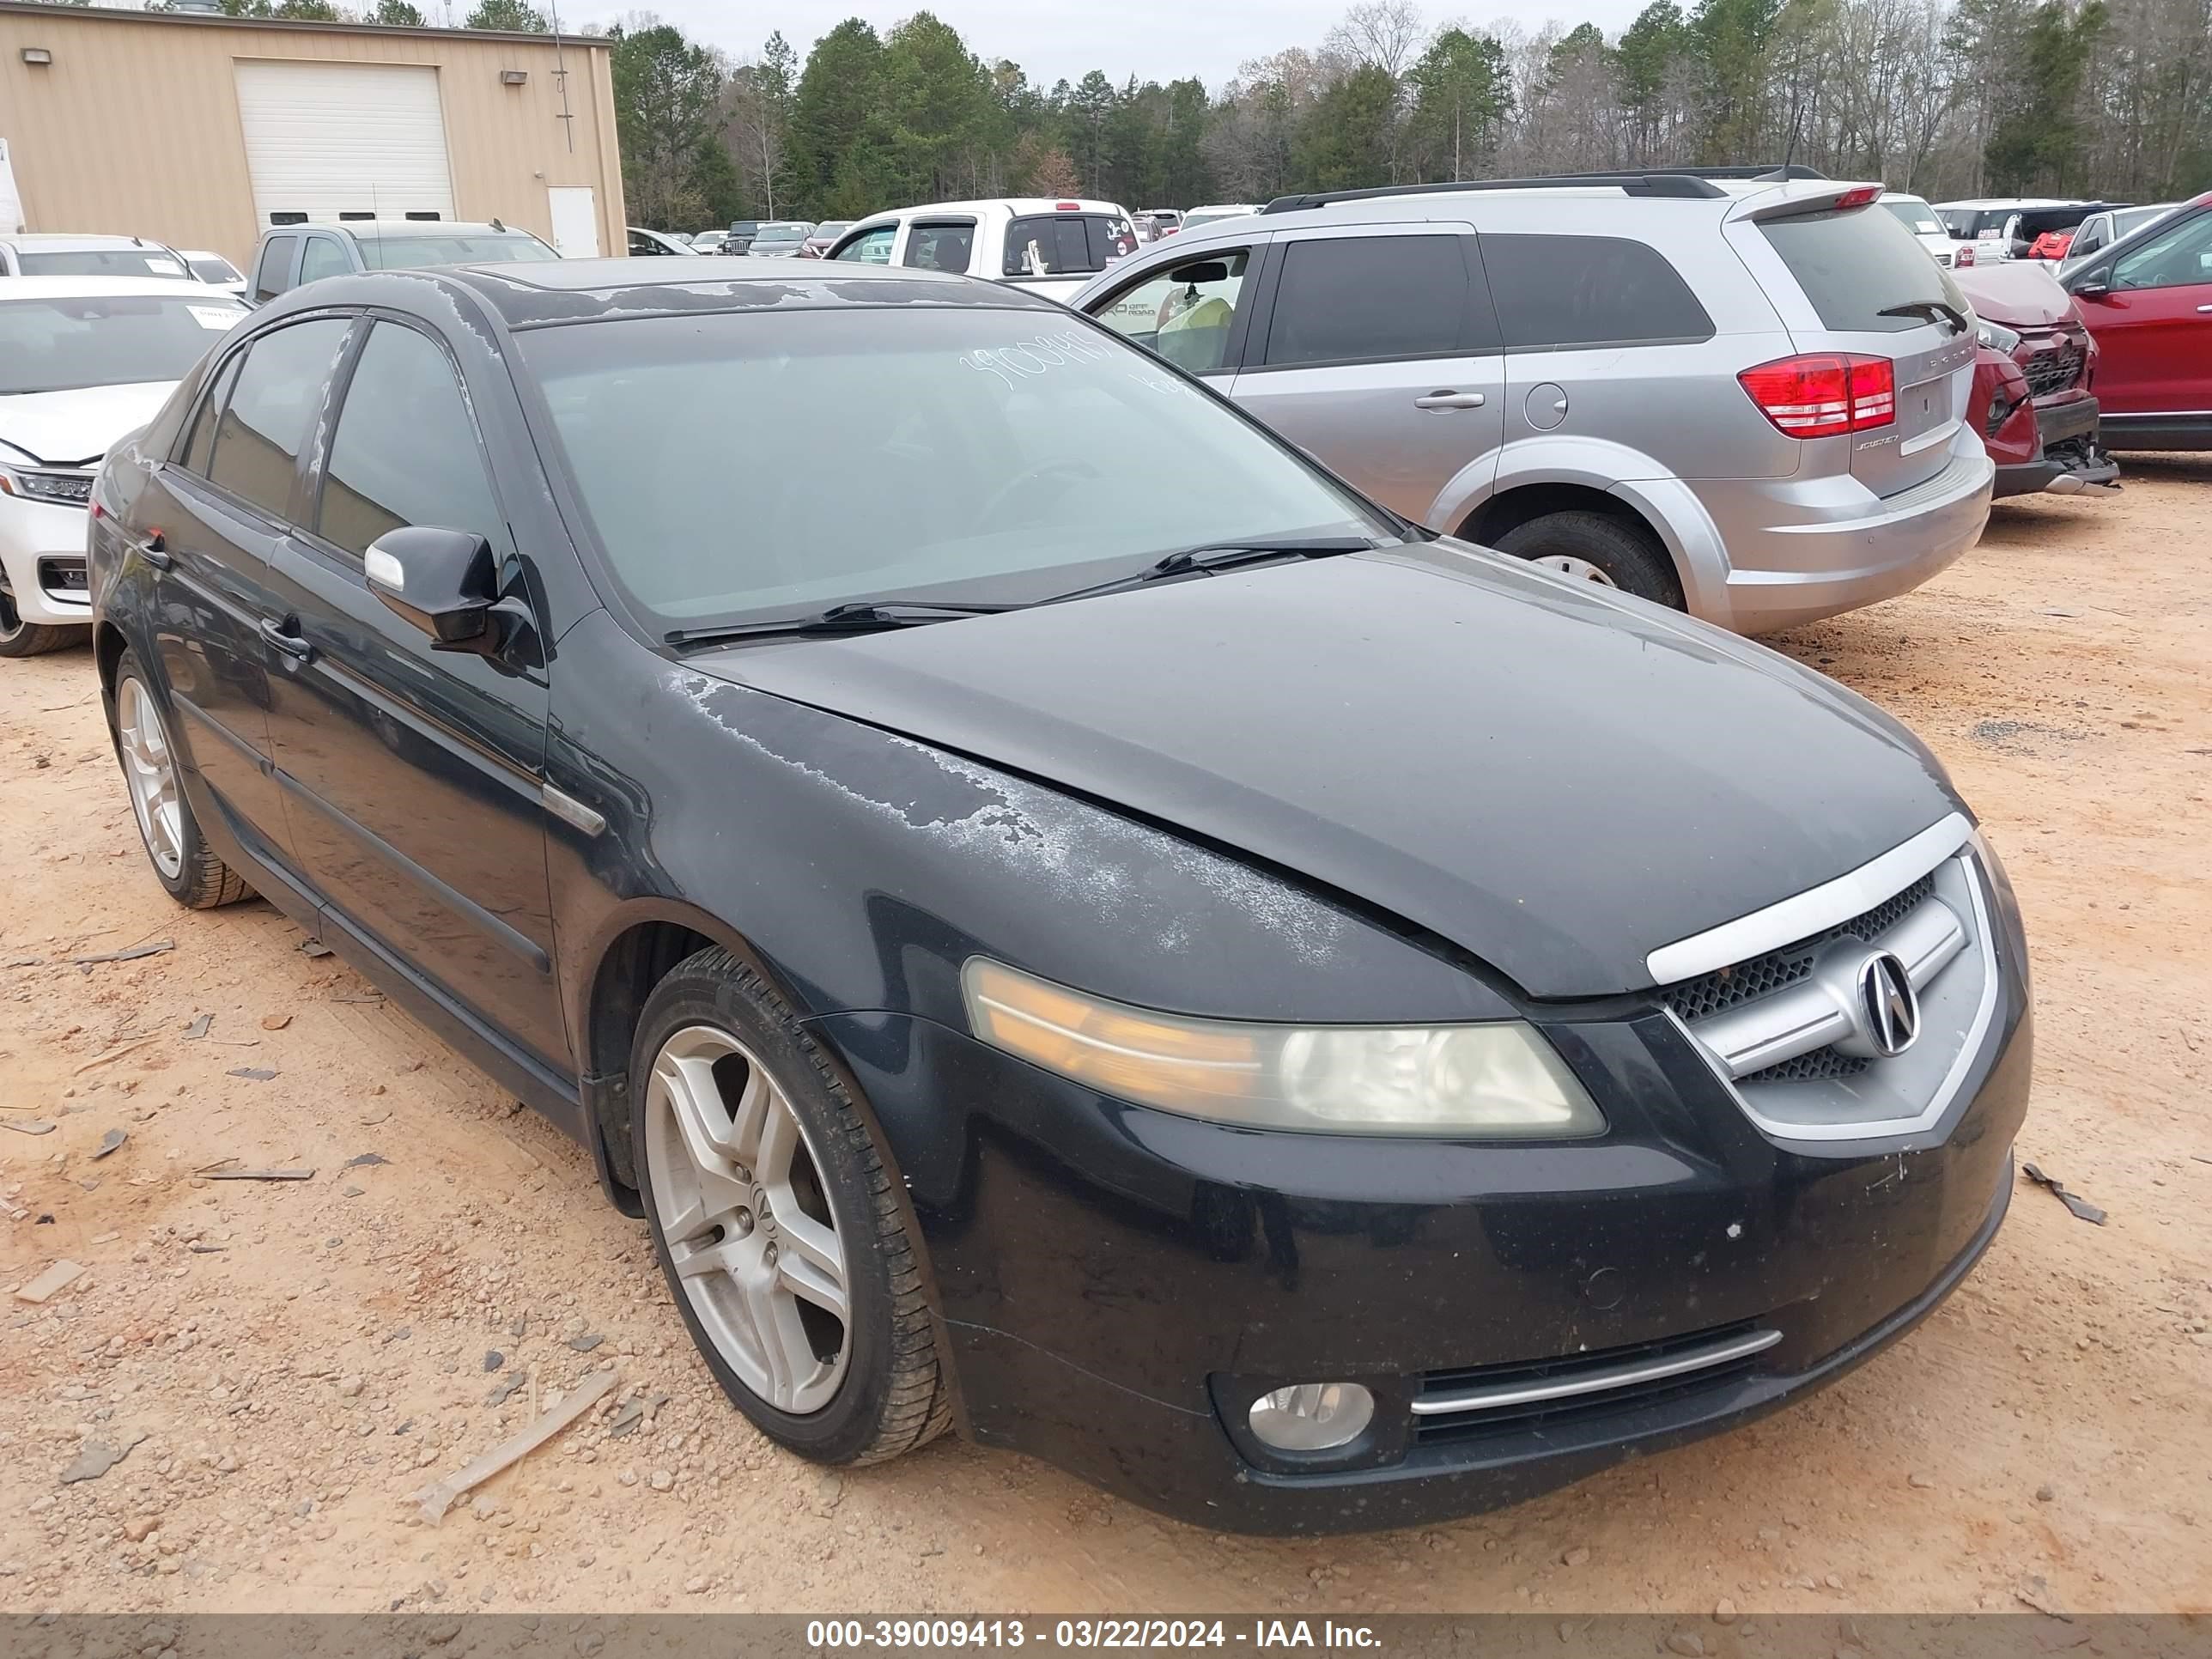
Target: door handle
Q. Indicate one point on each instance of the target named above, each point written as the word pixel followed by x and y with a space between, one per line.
pixel 285 636
pixel 154 549
pixel 2205 308
pixel 1451 400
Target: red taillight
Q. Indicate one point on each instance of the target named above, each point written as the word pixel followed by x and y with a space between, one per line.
pixel 1858 196
pixel 98 511
pixel 1069 207
pixel 1822 394
pixel 1964 256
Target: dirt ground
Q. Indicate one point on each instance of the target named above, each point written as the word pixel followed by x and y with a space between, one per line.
pixel 288 1362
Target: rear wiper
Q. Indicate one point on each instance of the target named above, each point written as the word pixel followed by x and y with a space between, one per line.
pixel 1931 309
pixel 1224 555
pixel 867 616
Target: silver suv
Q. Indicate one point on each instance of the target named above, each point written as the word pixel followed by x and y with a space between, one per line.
pixel 1745 398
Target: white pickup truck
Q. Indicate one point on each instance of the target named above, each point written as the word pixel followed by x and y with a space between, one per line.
pixel 1051 247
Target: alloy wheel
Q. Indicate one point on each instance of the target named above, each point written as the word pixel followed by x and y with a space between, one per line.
pixel 11 619
pixel 1581 570
pixel 747 1222
pixel 150 775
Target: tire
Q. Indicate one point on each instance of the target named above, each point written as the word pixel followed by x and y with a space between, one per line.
pixel 1602 548
pixel 19 638
pixel 739 1201
pixel 183 861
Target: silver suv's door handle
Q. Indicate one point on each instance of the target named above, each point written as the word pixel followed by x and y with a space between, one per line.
pixel 1450 400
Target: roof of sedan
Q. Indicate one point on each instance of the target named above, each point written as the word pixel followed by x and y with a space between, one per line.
pixel 577 290
pixel 97 288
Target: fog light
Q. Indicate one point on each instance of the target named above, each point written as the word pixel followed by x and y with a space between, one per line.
pixel 1313 1416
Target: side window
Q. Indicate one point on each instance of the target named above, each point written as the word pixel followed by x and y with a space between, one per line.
pixel 405 451
pixel 1588 290
pixel 872 247
pixel 1183 312
pixel 1356 299
pixel 322 257
pixel 273 400
pixel 269 276
pixel 2180 257
pixel 940 246
pixel 202 438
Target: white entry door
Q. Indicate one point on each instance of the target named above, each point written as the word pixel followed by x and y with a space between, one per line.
pixel 576 221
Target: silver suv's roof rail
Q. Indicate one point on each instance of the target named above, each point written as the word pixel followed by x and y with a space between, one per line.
pixel 1687 184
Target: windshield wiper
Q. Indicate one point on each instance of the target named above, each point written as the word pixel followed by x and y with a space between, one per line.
pixel 1223 556
pixel 864 616
pixel 1931 309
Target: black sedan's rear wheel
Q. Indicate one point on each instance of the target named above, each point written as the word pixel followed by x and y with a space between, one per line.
pixel 194 874
pixel 775 1222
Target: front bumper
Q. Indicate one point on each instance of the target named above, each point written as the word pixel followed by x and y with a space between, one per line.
pixel 1113 1283
pixel 2067 457
pixel 1824 545
pixel 42 550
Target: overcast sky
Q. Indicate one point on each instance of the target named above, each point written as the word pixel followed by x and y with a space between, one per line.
pixel 1153 39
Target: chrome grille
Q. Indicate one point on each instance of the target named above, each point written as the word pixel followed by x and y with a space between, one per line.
pixel 1458 1405
pixel 1744 982
pixel 1788 1031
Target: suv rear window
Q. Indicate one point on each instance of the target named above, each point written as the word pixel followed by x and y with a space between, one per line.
pixel 1066 244
pixel 1588 290
pixel 1862 271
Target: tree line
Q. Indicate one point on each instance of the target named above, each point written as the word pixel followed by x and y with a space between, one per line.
pixel 1944 98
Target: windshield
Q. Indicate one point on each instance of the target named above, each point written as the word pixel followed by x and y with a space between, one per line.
pixel 408 252
pixel 831 231
pixel 1915 215
pixel 102 261
pixel 214 268
pixel 64 345
pixel 1862 271
pixel 742 468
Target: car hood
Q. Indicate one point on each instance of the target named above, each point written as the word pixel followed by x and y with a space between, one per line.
pixel 2018 293
pixel 62 427
pixel 1551 779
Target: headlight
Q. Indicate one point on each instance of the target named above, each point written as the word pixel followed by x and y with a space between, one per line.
pixel 1491 1081
pixel 1996 336
pixel 62 487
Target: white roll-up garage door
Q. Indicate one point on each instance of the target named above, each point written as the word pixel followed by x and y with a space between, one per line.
pixel 326 139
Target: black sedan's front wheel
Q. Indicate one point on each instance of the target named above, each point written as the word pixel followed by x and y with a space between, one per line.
pixel 775 1222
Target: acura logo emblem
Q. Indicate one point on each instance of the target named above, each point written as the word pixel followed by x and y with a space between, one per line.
pixel 1888 1011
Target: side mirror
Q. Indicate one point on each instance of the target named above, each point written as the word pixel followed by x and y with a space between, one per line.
pixel 443 582
pixel 2095 288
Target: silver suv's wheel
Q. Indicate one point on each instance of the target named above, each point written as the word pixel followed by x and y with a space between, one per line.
pixel 777 1222
pixel 1597 547
pixel 751 1236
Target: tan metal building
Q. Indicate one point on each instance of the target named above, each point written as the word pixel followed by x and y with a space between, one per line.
pixel 200 130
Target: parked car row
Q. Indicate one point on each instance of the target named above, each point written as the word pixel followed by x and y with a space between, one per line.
pixel 1165 865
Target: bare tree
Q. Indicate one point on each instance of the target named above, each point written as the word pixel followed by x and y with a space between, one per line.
pixel 1387 34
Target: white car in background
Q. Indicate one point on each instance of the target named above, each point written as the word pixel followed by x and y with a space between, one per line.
pixel 215 271
pixel 84 361
pixel 1914 213
pixel 1049 246
pixel 1206 216
pixel 2101 230
pixel 46 254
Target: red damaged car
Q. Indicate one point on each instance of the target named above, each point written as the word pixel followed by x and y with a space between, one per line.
pixel 2034 380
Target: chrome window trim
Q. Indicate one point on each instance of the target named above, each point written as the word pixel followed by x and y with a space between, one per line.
pixel 1810 912
pixel 1970 1050
pixel 1499 1396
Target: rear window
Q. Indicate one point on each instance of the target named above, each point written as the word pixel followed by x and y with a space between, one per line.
pixel 214 268
pixel 1064 244
pixel 408 252
pixel 1589 290
pixel 1862 271
pixel 1968 224
pixel 1915 215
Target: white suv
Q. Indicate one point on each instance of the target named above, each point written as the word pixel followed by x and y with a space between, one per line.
pixel 84 361
pixel 41 253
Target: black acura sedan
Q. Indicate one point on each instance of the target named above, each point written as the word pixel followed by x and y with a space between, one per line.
pixel 1064 920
